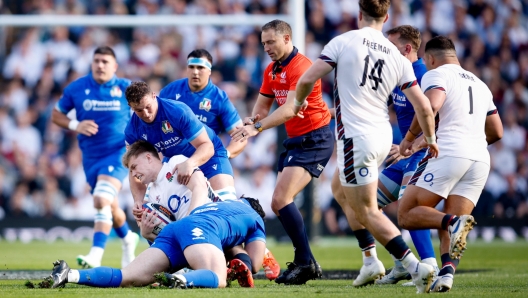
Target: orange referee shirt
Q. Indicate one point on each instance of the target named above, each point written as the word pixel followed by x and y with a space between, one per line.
pixel 279 78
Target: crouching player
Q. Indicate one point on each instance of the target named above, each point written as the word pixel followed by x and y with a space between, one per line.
pixel 196 241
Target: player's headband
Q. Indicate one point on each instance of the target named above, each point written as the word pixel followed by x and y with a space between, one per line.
pixel 199 61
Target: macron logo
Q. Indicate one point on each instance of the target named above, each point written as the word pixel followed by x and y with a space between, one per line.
pixel 215 166
pixel 110 169
pixel 290 158
pixel 87 91
pixel 178 96
pixel 144 136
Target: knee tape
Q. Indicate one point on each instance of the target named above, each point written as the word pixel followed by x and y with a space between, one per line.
pixel 105 190
pixel 104 215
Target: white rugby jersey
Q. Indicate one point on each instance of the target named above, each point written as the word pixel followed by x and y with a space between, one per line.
pixel 462 118
pixel 368 67
pixel 167 191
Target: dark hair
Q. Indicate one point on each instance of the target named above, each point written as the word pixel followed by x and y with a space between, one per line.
pixel 279 26
pixel 105 50
pixel 199 53
pixel 408 34
pixel 376 9
pixel 136 92
pixel 440 43
pixel 138 148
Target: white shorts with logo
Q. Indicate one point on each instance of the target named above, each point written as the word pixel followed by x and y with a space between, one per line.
pixel 359 158
pixel 449 175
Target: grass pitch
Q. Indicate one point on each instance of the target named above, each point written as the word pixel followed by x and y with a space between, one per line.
pixel 495 269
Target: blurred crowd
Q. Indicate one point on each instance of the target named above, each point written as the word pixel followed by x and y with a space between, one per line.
pixel 40 164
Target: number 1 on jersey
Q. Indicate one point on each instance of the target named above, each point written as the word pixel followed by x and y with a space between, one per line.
pixel 377 80
pixel 470 100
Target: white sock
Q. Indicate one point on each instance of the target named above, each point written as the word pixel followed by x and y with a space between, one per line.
pixel 96 252
pixel 397 264
pixel 410 263
pixel 129 237
pixel 73 276
pixel 369 256
pixel 266 251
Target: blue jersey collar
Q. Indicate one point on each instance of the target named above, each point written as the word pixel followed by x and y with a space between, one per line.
pixel 419 61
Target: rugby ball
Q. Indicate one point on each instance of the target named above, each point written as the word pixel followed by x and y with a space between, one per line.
pixel 164 216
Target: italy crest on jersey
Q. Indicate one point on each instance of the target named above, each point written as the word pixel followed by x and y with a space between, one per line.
pixel 166 127
pixel 116 91
pixel 205 104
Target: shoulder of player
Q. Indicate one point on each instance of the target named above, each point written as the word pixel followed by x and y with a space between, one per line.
pixel 79 84
pixel 124 82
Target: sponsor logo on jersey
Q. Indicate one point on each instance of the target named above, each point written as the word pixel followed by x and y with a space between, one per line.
pixel 167 143
pixel 116 92
pixel 101 105
pixel 169 176
pixel 197 233
pixel 280 96
pixel 205 104
pixel 166 127
pixel 86 91
pixel 178 96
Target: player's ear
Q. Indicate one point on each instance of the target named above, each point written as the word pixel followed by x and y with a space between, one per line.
pixel 386 18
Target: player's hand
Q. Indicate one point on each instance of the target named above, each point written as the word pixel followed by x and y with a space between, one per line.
pixel 87 128
pixel 299 110
pixel 433 150
pixel 137 211
pixel 394 155
pixel 185 170
pixel 147 224
pixel 418 145
pixel 251 120
pixel 242 133
pixel 406 148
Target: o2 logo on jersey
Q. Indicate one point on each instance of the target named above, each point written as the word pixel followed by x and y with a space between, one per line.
pixel 87 104
pixel 429 178
pixel 175 202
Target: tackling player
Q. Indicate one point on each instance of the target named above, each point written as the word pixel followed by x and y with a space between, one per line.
pixel 102 114
pixel 468 124
pixel 368 67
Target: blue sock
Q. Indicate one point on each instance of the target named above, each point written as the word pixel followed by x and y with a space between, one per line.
pixel 423 244
pixel 122 231
pixel 398 248
pixel 448 265
pixel 202 278
pixel 99 239
pixel 293 223
pixel 101 277
pixel 245 259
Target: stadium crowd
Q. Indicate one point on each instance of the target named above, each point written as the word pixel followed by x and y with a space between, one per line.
pixel 40 164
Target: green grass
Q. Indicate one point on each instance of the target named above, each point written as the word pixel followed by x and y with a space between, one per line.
pixel 495 269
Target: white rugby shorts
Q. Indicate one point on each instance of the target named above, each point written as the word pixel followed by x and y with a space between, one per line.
pixel 447 175
pixel 359 158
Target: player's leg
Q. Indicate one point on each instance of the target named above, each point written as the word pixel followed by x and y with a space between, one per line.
pixel 208 264
pixel 372 267
pixel 289 183
pixel 358 161
pixel 139 273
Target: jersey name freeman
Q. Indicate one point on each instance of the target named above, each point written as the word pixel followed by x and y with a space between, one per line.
pixel 376 46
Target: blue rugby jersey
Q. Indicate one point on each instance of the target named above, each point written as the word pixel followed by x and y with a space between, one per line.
pixel 211 105
pixel 171 132
pixel 103 103
pixel 402 106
